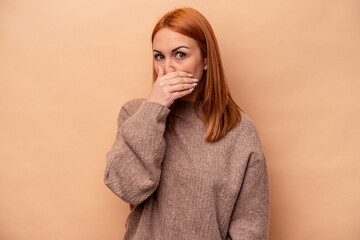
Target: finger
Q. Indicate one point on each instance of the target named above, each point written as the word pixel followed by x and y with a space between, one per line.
pixel 181 80
pixel 161 71
pixel 181 87
pixel 177 74
pixel 182 93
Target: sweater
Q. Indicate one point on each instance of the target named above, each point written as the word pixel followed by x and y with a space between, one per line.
pixel 180 186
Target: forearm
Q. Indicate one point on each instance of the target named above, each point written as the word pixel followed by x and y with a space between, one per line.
pixel 133 165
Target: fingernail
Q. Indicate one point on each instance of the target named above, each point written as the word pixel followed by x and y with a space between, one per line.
pixel 195 80
pixel 191 89
pixel 190 75
pixel 194 84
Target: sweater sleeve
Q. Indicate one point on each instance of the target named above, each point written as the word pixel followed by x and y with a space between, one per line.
pixel 133 164
pixel 250 217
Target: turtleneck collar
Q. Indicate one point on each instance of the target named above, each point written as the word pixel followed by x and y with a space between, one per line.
pixel 186 109
pixel 184 103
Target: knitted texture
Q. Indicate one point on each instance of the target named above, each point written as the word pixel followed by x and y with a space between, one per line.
pixel 178 185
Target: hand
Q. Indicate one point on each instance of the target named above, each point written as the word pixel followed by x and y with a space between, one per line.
pixel 171 86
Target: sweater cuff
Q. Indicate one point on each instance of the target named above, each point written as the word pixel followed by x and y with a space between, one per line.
pixel 154 109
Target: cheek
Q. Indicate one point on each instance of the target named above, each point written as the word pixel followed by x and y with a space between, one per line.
pixel 191 65
pixel 196 68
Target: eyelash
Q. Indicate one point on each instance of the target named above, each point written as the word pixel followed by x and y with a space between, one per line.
pixel 158 55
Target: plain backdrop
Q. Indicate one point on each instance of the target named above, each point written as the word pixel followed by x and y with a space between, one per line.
pixel 66 67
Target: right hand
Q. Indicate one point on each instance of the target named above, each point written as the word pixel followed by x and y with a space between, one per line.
pixel 171 86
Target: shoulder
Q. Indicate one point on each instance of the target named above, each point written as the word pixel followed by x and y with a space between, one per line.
pixel 131 106
pixel 247 124
pixel 247 135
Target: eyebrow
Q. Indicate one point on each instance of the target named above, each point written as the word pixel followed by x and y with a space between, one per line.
pixel 171 50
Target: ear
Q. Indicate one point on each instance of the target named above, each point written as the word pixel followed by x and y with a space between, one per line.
pixel 205 63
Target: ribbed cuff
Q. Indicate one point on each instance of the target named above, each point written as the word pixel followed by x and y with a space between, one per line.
pixel 155 109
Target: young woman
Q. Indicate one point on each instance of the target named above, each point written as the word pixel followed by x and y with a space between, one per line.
pixel 188 161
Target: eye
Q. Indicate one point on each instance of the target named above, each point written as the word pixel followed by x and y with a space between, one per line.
pixel 158 57
pixel 180 55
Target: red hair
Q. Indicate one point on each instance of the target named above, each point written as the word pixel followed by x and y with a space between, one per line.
pixel 220 110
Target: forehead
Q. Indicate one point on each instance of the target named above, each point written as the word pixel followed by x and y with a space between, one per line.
pixel 167 39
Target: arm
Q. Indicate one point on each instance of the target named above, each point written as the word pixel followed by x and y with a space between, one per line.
pixel 133 164
pixel 250 217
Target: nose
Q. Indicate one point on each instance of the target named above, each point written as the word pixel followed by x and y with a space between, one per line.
pixel 168 66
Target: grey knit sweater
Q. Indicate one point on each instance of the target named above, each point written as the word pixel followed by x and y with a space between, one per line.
pixel 182 187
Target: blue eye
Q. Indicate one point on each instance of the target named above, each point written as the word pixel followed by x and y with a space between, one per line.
pixel 180 55
pixel 158 57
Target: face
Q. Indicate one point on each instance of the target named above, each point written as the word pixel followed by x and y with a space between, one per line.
pixel 177 52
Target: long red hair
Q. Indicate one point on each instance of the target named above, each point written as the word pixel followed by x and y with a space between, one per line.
pixel 220 110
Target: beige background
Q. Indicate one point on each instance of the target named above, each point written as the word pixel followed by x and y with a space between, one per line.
pixel 67 66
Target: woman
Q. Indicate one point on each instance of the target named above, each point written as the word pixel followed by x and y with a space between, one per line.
pixel 187 159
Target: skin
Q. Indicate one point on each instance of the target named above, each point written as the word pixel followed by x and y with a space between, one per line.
pixel 179 65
